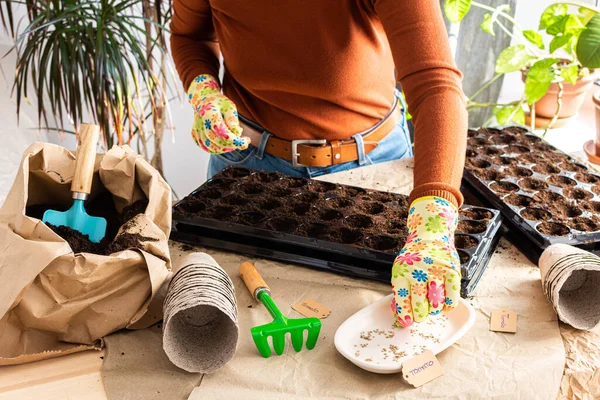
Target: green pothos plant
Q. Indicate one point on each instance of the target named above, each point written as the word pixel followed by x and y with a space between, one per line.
pixel 567 53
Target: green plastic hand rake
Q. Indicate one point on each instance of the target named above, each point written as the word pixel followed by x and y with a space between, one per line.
pixel 280 325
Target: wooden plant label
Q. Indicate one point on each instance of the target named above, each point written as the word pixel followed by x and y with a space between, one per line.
pixel 503 321
pixel 310 308
pixel 422 369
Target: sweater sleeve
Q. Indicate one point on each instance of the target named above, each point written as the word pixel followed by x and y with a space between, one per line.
pixel 194 43
pixel 432 85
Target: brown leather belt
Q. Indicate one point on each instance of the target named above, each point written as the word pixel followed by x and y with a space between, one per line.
pixel 323 153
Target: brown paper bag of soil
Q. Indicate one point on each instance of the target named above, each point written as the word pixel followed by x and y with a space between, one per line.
pixel 54 301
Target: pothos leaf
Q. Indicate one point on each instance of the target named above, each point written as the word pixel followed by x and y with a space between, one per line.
pixel 570 74
pixel 566 24
pixel 534 38
pixel 559 41
pixel 490 19
pixel 488 25
pixel 506 114
pixel 513 58
pixel 586 15
pixel 539 78
pixel 456 10
pixel 551 14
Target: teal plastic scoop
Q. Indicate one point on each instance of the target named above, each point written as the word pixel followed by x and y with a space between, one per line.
pixel 76 217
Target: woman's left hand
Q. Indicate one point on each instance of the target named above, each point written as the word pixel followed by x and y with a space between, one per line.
pixel 426 274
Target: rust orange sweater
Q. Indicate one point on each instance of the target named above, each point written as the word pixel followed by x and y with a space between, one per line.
pixel 325 69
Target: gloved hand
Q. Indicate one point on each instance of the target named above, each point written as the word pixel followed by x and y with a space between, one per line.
pixel 426 274
pixel 216 126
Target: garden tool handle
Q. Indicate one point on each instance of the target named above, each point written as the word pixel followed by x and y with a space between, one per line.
pixel 85 159
pixel 254 282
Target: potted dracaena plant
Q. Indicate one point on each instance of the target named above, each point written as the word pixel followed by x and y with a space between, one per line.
pixel 102 58
pixel 557 70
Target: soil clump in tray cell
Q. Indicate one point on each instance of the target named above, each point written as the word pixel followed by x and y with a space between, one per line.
pixel 519 200
pixel 488 174
pixel 465 242
pixel 546 168
pixel 572 167
pixel 467 226
pixel 587 178
pixel 504 187
pixel 477 214
pixel 519 172
pixel 536 214
pixel 532 185
pixel 553 229
pixel 584 224
pixel 561 181
pixel 578 194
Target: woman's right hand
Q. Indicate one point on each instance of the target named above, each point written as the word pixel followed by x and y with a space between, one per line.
pixel 216 127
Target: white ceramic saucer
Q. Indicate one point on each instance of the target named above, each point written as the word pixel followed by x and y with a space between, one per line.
pixel 371 341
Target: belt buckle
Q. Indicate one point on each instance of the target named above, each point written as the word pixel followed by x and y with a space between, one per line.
pixel 295 153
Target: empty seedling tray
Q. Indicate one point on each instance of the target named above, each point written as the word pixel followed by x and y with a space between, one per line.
pixel 343 229
pixel 545 195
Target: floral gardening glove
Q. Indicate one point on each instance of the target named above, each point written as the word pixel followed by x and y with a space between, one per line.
pixel 216 126
pixel 426 273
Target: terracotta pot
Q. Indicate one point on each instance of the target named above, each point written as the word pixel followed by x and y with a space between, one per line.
pixel 596 98
pixel 572 98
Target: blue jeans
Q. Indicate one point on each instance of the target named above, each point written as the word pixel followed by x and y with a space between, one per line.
pixel 394 146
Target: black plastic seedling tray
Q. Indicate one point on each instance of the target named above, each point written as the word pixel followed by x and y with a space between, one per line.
pixel 544 195
pixel 343 229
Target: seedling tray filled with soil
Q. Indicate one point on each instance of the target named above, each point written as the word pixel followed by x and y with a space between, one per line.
pixel 545 195
pixel 339 228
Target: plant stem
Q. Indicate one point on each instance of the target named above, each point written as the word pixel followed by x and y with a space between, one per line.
pixel 484 105
pixel 516 25
pixel 558 108
pixel 501 13
pixel 485 86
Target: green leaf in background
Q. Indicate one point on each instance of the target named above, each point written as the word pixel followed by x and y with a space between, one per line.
pixel 488 24
pixel 570 74
pixel 506 114
pixel 538 80
pixel 534 38
pixel 489 19
pixel 513 58
pixel 588 46
pixel 586 15
pixel 552 14
pixel 566 24
pixel 559 41
pixel 456 10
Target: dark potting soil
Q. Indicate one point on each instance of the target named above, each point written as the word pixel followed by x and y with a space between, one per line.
pixel 303 207
pixel 101 206
pixel 547 188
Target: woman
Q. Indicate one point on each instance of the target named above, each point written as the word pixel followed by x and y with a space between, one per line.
pixel 314 85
